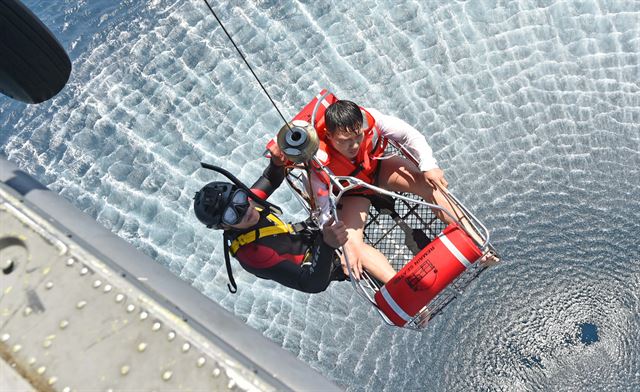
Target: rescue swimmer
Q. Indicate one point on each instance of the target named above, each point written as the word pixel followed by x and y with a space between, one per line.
pixel 299 256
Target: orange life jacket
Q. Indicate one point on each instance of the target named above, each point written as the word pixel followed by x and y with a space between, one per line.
pixel 365 164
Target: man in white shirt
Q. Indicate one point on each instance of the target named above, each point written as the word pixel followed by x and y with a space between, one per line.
pixel 353 145
pixel 348 128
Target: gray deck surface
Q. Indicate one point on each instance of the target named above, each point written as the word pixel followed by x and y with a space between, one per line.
pixel 82 309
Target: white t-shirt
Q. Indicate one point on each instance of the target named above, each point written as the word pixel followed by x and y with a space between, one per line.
pixel 406 136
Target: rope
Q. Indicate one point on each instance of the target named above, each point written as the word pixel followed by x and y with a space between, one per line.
pixel 246 62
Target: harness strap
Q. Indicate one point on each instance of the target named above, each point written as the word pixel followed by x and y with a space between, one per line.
pixel 233 288
pixel 279 227
pixel 357 170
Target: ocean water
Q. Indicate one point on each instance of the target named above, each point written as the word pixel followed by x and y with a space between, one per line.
pixel 532 109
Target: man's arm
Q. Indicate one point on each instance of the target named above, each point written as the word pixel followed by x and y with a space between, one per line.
pixel 408 137
pixel 269 181
pixel 414 142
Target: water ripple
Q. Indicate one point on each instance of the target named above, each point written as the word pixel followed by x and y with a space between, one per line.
pixel 532 108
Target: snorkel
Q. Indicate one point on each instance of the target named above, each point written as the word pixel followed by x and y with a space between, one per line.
pixel 271 208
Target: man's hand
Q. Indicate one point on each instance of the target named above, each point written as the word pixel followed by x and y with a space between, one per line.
pixel 354 261
pixel 277 156
pixel 435 178
pixel 334 235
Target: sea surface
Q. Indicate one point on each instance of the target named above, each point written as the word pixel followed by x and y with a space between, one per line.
pixel 532 109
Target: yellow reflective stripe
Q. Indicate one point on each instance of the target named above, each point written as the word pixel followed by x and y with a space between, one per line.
pixel 279 228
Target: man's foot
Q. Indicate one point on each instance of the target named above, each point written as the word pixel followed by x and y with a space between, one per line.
pixel 489 259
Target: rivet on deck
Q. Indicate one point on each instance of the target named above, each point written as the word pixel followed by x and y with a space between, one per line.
pixel 70 262
pixel 231 384
pixel 166 376
pixel 17 348
pixel 27 311
pixel 8 264
pixel 64 324
pixel 41 370
pixel 97 284
pixel 142 346
pixel 48 285
pixel 124 370
pixel 84 271
pixel 216 372
pixel 53 380
pixel 171 336
pixel 47 343
pixel 156 326
pixel 31 361
pixel 5 337
pixel 131 308
pixel 66 389
pixel 186 347
pixel 201 361
pixel 143 315
pixel 119 298
pixel 81 304
pixel 107 288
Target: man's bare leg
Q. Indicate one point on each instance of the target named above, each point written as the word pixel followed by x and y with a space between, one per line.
pixel 398 174
pixel 353 214
pixel 376 263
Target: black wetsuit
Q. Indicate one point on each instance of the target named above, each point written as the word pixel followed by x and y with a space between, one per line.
pixel 301 260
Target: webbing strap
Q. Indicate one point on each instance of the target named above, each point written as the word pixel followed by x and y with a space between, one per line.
pixel 275 230
pixel 322 99
pixel 279 227
pixel 232 285
pixel 242 239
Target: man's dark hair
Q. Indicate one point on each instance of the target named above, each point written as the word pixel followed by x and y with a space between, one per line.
pixel 343 115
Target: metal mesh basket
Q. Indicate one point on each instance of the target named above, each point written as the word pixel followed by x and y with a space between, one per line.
pixel 399 229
